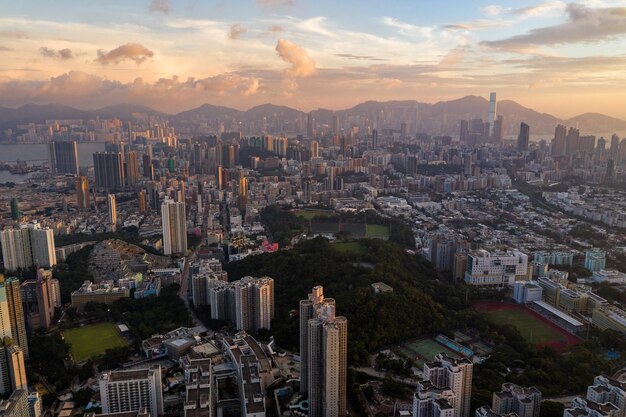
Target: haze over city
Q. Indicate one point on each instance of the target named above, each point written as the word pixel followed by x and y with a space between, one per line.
pixel 303 208
pixel 553 56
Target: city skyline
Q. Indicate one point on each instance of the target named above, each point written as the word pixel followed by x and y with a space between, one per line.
pixel 175 55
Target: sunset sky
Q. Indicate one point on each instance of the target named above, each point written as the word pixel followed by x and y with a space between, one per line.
pixel 556 57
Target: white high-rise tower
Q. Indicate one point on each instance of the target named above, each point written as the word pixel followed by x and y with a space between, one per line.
pixel 492 115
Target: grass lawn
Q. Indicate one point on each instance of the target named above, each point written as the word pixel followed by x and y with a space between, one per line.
pixel 531 328
pixel 345 247
pixel 309 214
pixel 89 341
pixel 377 230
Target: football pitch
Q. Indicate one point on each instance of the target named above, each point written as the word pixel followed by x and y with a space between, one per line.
pixel 424 350
pixel 89 341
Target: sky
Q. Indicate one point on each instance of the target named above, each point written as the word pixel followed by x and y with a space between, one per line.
pixel 553 56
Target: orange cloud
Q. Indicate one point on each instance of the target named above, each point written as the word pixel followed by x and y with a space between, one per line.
pixel 301 63
pixel 132 51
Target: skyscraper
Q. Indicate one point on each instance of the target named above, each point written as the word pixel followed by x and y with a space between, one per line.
pixel 323 349
pixel 572 142
pixel 375 139
pixel 17 370
pixel 142 200
pixel 63 157
pixel 315 149
pixel 498 129
pixel 523 401
pixel 148 168
pixel 309 125
pixel 82 192
pixel 523 138
pixel 131 169
pixel 112 209
pixel 26 246
pixel 132 390
pixel 174 227
pixel 15 208
pixel 453 374
pixel 11 289
pixel 109 170
pixel 559 141
pixel 491 116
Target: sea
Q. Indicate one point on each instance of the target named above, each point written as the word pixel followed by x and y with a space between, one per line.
pixel 38 154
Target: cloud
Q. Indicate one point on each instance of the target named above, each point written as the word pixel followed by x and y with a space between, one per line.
pixel 301 64
pixel 133 51
pixel 87 90
pixel 583 24
pixel 361 57
pixel 275 29
pixel 275 3
pixel 162 6
pixel 476 25
pixel 492 10
pixel 16 34
pixel 63 54
pixel 236 31
pixel 6 49
pixel 539 9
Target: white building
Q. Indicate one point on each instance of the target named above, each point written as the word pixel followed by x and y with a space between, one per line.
pixel 454 375
pixel 132 390
pixel 527 291
pixel 496 269
pixel 174 227
pixel 611 276
pixel 26 246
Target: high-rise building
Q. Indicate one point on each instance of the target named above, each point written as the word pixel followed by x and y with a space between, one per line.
pixel 523 401
pixel 523 138
pixel 248 302
pixel 35 406
pixel 112 209
pixel 132 390
pixel 606 397
pixel 174 227
pixel 375 139
pixel 595 259
pixel 15 209
pixel 16 405
pixel 446 373
pixel 10 291
pixel 309 125
pixel 614 150
pixel 109 170
pixel 142 200
pixel 315 149
pixel 82 192
pixel 17 370
pixel 323 351
pixel 572 142
pixel 148 168
pixel 498 129
pixel 131 169
pixel 559 141
pixel 491 116
pixel 26 246
pixel 63 157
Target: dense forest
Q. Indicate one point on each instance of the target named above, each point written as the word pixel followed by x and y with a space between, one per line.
pixel 421 304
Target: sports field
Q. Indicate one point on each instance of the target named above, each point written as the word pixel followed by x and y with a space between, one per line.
pixel 89 341
pixel 345 247
pixel 377 230
pixel 309 214
pixel 424 350
pixel 533 327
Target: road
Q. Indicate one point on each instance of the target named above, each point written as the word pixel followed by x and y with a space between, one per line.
pixel 184 287
pixel 383 375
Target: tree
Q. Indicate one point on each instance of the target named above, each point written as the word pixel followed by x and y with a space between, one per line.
pixel 551 409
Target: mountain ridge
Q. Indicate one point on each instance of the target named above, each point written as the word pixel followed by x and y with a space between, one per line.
pixel 437 118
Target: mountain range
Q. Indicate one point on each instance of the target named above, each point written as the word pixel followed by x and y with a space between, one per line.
pixel 438 118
